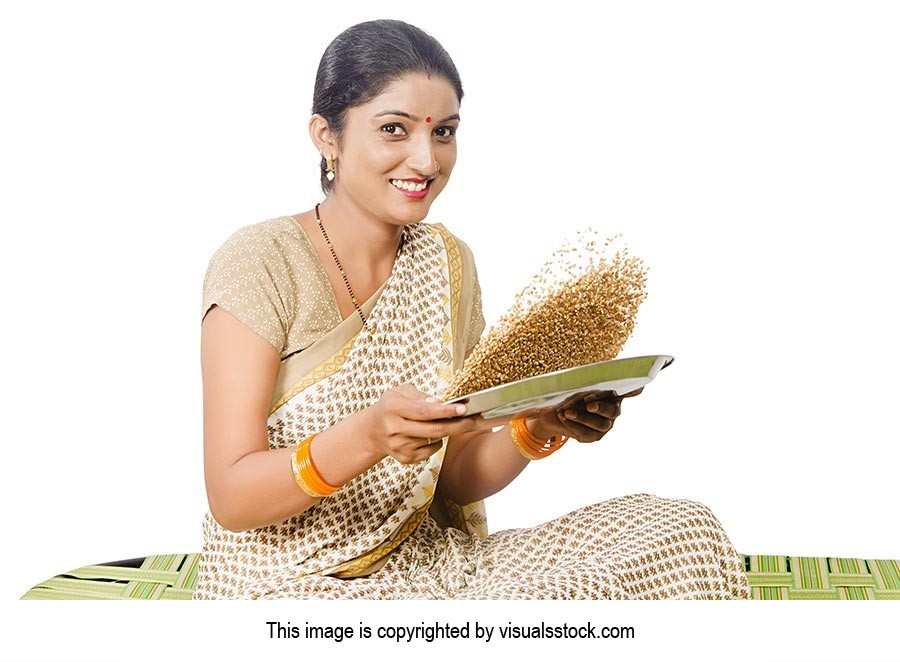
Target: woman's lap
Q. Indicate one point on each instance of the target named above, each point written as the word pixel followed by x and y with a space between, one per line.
pixel 635 546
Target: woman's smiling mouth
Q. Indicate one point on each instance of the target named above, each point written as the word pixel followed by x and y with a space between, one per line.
pixel 412 188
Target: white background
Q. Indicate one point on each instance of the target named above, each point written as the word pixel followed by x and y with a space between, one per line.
pixel 748 152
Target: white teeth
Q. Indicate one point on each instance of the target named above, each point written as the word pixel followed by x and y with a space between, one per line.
pixel 409 186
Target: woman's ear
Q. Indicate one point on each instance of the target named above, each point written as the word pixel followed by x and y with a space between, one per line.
pixel 322 136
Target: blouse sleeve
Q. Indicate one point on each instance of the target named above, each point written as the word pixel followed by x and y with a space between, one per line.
pixel 250 278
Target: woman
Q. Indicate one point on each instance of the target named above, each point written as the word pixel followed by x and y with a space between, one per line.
pixel 332 468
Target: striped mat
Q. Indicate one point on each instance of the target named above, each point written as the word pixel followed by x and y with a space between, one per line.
pixel 173 577
pixel 165 577
pixel 822 578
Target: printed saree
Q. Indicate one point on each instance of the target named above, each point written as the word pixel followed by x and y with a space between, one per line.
pixel 388 533
pixel 413 335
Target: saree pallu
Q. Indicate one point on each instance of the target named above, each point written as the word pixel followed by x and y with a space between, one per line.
pixel 389 533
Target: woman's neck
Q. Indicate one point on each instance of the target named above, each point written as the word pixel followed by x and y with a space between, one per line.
pixel 368 243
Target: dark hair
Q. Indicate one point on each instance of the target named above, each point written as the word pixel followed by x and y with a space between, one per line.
pixel 363 61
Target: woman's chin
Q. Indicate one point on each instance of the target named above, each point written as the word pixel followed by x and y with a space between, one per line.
pixel 412 213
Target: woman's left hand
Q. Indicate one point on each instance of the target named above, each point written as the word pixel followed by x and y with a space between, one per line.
pixel 584 419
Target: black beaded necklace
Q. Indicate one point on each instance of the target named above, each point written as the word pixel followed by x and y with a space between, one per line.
pixel 341 268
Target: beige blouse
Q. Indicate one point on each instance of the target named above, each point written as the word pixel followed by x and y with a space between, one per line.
pixel 270 277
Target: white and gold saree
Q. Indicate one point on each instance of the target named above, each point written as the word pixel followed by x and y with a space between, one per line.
pixel 388 533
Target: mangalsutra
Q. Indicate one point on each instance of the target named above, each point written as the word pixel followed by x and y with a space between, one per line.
pixel 340 268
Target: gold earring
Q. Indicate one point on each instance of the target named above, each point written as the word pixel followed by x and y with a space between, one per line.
pixel 329 168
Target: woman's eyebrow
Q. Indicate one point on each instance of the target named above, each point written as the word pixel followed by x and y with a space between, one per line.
pixel 454 116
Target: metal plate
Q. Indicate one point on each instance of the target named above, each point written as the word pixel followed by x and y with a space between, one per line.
pixel 527 396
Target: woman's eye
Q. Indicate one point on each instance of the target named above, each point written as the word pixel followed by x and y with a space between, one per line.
pixel 392 129
pixel 450 131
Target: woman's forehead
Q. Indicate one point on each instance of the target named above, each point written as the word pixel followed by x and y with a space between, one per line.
pixel 418 95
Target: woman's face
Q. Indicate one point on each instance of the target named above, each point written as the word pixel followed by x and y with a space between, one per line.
pixel 401 135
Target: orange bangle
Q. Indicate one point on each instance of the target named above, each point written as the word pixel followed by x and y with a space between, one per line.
pixel 518 444
pixel 305 474
pixel 530 446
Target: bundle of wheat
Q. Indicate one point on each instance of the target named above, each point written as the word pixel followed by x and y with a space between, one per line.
pixel 579 308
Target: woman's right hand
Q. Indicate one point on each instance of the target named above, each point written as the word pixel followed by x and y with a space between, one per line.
pixel 409 425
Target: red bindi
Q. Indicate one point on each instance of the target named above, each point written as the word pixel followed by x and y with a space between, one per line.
pixel 428 119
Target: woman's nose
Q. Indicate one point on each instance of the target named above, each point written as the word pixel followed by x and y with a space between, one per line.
pixel 421 158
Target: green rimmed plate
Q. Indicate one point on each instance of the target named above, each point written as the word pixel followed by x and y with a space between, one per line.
pixel 528 396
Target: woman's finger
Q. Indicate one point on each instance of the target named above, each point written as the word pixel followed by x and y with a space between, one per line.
pixel 606 408
pixel 611 395
pixel 600 395
pixel 426 451
pixel 418 453
pixel 438 428
pixel 593 421
pixel 423 410
pixel 580 430
pixel 429 443
pixel 410 391
pixel 575 400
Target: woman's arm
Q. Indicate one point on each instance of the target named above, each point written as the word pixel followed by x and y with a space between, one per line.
pixel 481 463
pixel 247 484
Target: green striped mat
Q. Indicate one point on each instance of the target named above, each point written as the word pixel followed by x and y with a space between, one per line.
pixel 818 578
pixel 173 577
pixel 164 577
